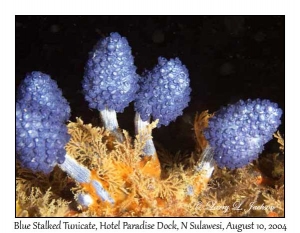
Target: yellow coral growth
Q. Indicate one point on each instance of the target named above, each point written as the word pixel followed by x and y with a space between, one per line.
pixel 134 181
pixel 280 140
pixel 200 123
pixel 39 204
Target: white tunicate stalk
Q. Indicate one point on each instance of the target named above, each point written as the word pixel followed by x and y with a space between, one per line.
pixel 141 127
pixel 84 199
pixel 83 175
pixel 110 122
pixel 207 162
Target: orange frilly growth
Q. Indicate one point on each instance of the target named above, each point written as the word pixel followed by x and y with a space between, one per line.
pixel 200 123
pixel 134 181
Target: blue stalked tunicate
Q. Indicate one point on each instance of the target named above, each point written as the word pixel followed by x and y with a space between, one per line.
pixel 40 90
pixel 164 91
pixel 238 132
pixel 41 133
pixel 110 79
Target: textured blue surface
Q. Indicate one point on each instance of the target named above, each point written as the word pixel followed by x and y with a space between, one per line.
pixel 164 91
pixel 39 89
pixel 41 112
pixel 110 78
pixel 238 132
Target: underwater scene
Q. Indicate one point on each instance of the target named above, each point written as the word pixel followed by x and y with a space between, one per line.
pixel 150 116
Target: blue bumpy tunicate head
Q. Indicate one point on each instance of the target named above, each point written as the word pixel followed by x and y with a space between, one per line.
pixel 110 79
pixel 238 132
pixel 41 134
pixel 39 89
pixel 164 91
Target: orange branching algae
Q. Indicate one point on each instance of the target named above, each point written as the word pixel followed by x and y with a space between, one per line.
pixel 200 123
pixel 158 185
pixel 280 140
pixel 39 204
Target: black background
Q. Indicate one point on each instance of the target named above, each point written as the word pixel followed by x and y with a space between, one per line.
pixel 228 58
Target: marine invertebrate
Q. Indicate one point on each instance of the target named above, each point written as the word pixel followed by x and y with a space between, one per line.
pixel 164 93
pixel 41 133
pixel 110 80
pixel 41 112
pixel 238 132
pixel 38 89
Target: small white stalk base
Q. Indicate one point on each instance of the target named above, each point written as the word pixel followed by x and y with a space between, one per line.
pixel 141 126
pixel 83 175
pixel 207 162
pixel 110 122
